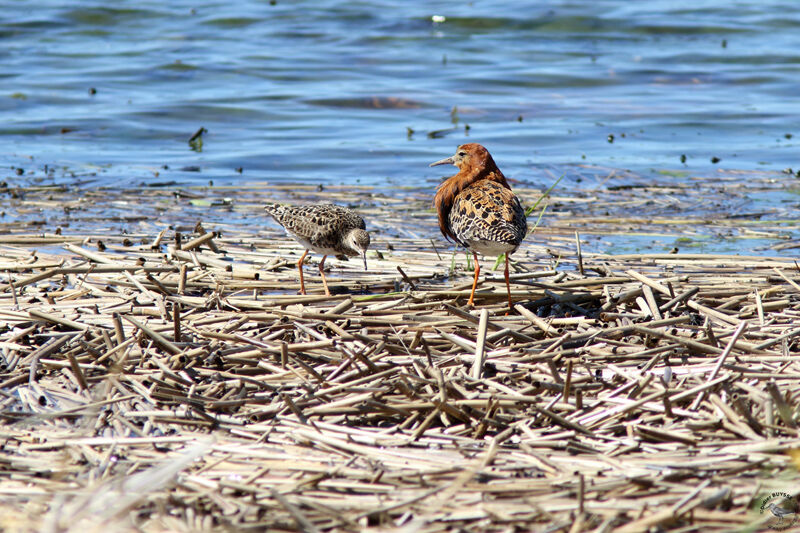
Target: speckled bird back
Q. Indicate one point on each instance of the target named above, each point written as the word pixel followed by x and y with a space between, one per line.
pixel 487 211
pixel 319 227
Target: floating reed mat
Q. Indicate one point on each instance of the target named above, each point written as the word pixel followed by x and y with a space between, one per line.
pixel 158 382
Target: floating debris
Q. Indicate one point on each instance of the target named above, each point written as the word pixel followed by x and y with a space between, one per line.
pixel 196 140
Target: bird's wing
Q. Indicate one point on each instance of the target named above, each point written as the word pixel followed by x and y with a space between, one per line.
pixel 488 211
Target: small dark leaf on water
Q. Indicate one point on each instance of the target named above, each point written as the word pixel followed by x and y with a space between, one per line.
pixel 196 140
pixel 66 130
pixel 683 158
pixel 239 170
pixel 101 246
pixel 92 91
pixel 715 159
pixel 436 134
pixel 788 135
pixel 198 133
pixel 165 167
pixel 519 118
pixel 191 168
pixel 724 43
pixel 610 138
pixel 19 171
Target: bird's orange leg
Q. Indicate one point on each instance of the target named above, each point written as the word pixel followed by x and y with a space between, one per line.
pixel 300 268
pixel 508 285
pixel 322 273
pixel 471 301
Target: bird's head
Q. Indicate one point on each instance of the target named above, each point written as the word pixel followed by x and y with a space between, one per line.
pixel 358 241
pixel 470 155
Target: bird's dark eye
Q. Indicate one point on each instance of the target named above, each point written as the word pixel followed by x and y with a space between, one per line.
pixel 462 154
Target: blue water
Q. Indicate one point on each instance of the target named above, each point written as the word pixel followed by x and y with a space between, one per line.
pixel 330 92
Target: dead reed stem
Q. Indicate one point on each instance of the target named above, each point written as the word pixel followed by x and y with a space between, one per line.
pixel 651 391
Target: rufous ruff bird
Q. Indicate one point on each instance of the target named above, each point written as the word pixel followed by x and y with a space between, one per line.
pixel 478 210
pixel 326 229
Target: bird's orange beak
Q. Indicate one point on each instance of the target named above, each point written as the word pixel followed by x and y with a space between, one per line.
pixel 446 161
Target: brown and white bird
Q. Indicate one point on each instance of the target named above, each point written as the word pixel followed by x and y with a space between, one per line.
pixel 326 229
pixel 478 210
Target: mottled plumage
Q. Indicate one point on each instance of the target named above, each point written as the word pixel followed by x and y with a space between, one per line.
pixel 326 229
pixel 488 218
pixel 477 209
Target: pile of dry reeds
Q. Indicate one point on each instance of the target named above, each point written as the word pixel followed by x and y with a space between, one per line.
pixel 173 380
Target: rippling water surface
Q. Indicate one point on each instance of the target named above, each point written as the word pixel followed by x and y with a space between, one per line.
pixel 370 92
